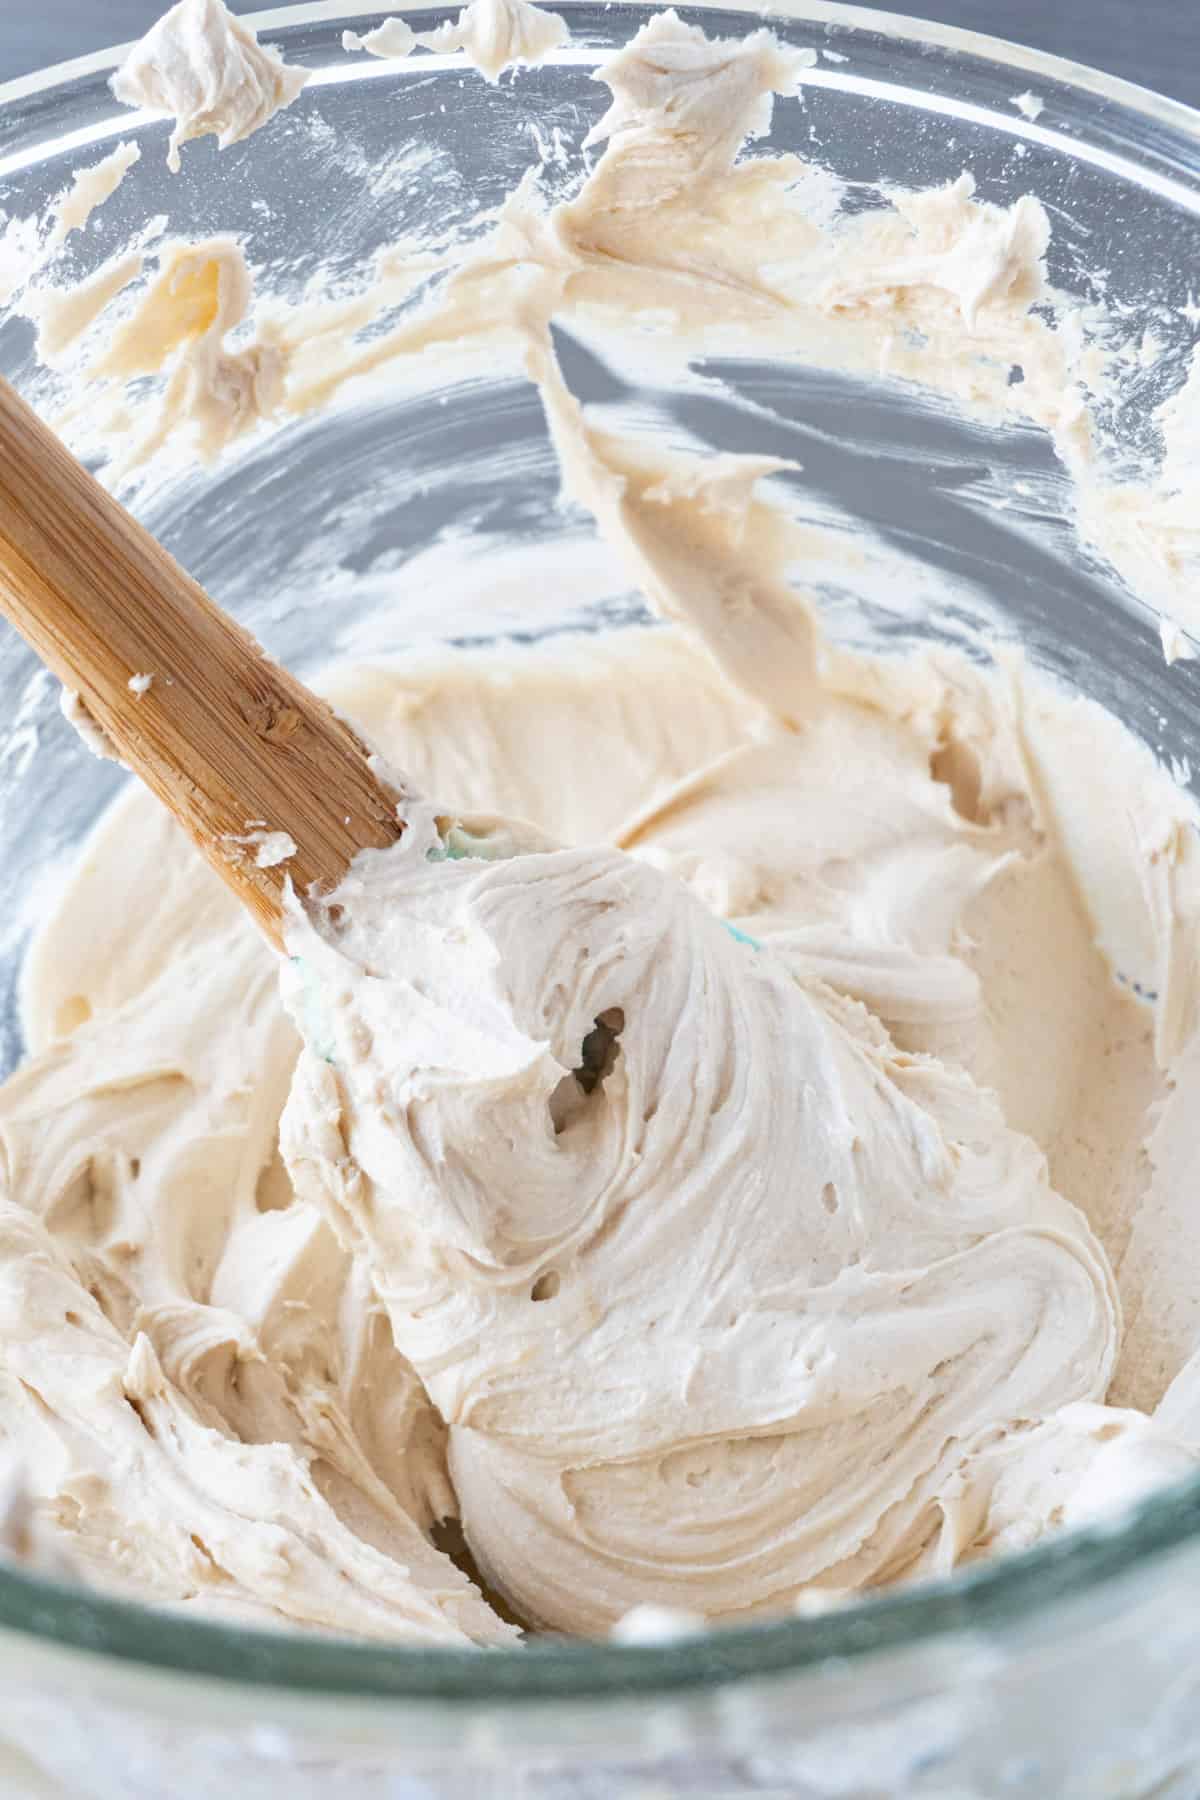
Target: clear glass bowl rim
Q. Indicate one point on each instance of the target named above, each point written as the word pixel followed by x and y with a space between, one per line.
pixel 982 1599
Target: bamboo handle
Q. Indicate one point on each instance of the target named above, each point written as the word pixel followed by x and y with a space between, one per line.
pixel 224 736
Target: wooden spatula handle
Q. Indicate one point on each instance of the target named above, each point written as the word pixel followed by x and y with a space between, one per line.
pixel 224 736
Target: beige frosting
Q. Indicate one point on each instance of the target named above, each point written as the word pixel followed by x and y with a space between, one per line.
pixel 393 38
pixel 209 72
pixel 731 1327
pixel 726 1162
pixel 213 392
pixel 92 735
pixel 25 1537
pixel 964 931
pixel 90 188
pixel 493 35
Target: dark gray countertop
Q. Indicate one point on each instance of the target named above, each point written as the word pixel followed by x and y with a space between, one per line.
pixel 1156 42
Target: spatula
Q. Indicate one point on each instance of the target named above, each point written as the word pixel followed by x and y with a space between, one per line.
pixel 236 747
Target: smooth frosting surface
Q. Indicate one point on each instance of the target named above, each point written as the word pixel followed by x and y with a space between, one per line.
pixel 721 1156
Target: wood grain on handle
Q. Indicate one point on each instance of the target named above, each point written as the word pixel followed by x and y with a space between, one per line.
pixel 224 736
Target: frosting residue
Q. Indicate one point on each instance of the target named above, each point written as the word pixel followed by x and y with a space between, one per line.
pixel 90 188
pixel 493 35
pixel 206 70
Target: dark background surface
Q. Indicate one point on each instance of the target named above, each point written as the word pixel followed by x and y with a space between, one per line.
pixel 1156 42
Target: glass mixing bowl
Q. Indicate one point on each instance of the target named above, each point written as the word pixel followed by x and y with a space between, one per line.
pixel 1072 1670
